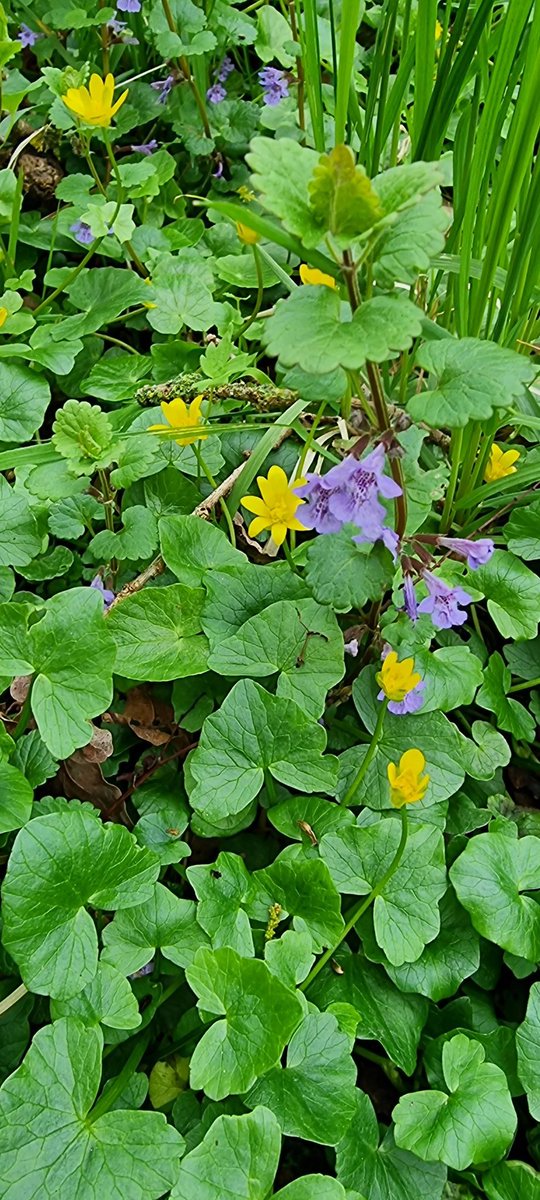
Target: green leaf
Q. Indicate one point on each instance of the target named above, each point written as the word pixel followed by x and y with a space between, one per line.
pixel 223 890
pixel 20 539
pixel 273 37
pixel 137 540
pixel 24 396
pixel 406 248
pixel 387 1015
pixel 513 594
pixel 307 329
pixel 134 1154
pixel 116 378
pixel 33 759
pixel 108 999
pixel 342 197
pixel 192 547
pixel 240 592
pixel 474 1123
pixel 83 434
pixel 236 1049
pixel 16 797
pixel 290 957
pixel 105 217
pixel 71 516
pixel 169 493
pixel 300 640
pixel 512 1181
pixel 282 171
pixel 251 733
pixel 489 878
pixel 523 531
pixel 316 1187
pixel 322 816
pixel 344 574
pixel 313 1095
pixel 236 1160
pixel 450 958
pixel 163 922
pixel 405 913
pixel 423 488
pixel 72 655
pixel 305 891
pixel 181 293
pixel 511 715
pixel 100 295
pixel 473 376
pixel 523 658
pixel 383 1172
pixel 14 648
pixel 58 865
pixel 528 1051
pixel 158 633
pixel 451 675
pixel 48 566
pixel 484 751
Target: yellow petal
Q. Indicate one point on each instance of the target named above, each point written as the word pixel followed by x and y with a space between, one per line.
pixel 254 504
pixel 95 87
pixel 310 275
pixel 119 102
pixel 509 457
pixel 108 90
pixel 175 412
pixel 391 771
pixel 279 533
pixel 412 760
pixel 3 316
pixel 274 486
pixel 294 523
pixel 257 525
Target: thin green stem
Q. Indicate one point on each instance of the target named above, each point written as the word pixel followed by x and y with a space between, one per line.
pixel 107 1099
pixel 213 485
pixel 260 292
pixel 377 734
pixel 184 64
pixel 288 555
pixel 359 909
pixel 529 683
pixel 70 279
pixel 270 787
pixel 457 446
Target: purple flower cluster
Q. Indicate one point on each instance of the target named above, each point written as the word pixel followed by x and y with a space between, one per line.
pixel 216 93
pixel 275 85
pixel 350 492
pixel 27 37
pixel 163 87
pixel 442 602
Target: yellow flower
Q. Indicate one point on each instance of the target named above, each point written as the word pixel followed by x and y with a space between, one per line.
pixel 313 276
pixel 276 511
pixel 4 314
pixel 501 463
pixel 179 416
pixel 94 104
pixel 438 31
pixel 407 784
pixel 246 235
pixel 397 679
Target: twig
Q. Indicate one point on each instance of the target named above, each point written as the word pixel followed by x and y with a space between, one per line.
pixel 157 566
pixel 13 998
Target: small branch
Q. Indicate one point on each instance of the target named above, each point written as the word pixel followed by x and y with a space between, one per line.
pixel 157 566
pixel 13 998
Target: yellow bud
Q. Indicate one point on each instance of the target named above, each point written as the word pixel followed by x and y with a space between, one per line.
pixel 248 236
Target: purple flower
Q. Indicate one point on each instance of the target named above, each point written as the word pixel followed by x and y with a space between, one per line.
pixel 82 233
pixel 129 6
pixel 477 553
pixel 146 970
pixel 219 170
pixel 275 85
pixel 99 586
pixel 412 702
pixel 317 512
pixel 411 606
pixel 216 93
pixel 27 37
pixel 145 147
pixel 118 28
pixel 226 69
pixel 443 602
pixel 163 86
pixel 351 647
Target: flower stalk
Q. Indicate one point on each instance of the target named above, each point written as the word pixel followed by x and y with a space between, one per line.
pixel 360 774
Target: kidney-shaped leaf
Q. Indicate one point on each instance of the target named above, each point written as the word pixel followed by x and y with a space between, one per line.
pixel 489 878
pixel 383 1172
pixel 164 922
pixel 236 1160
pixel 528 1051
pixel 158 634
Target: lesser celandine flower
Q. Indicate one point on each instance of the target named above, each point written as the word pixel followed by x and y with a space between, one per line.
pixel 276 510
pixel 407 783
pixel 3 316
pixel 179 416
pixel 501 463
pixel 248 236
pixel 400 684
pixel 311 275
pixel 93 105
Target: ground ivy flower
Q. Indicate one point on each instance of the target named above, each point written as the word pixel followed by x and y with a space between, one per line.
pixel 216 93
pixel 400 684
pixel 477 553
pixel 312 276
pixel 99 586
pixel 27 37
pixel 442 602
pixel 226 69
pixel 179 416
pixel 275 85
pixel 82 232
pixel 501 463
pixel 94 104
pixel 351 647
pixel 129 6
pixel 409 595
pixel 276 510
pixel 145 147
pixel 407 782
pixel 163 86
pixel 317 514
pixel 350 492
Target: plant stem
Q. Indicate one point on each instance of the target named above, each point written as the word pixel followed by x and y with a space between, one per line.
pixel 260 292
pixel 184 64
pixel 105 1102
pixel 377 734
pixel 13 998
pixel 457 445
pixel 24 714
pixel 529 683
pixel 213 485
pixel 362 906
pixel 288 555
